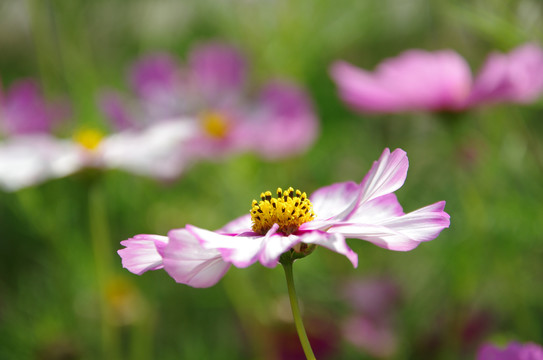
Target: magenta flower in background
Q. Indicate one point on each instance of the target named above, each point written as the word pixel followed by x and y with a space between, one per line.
pixel 419 80
pixel 209 94
pixel 31 153
pixel 23 110
pixel 371 326
pixel 513 351
pixel 291 221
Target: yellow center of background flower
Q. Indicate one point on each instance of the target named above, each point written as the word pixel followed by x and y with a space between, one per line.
pixel 89 138
pixel 215 124
pixel 289 210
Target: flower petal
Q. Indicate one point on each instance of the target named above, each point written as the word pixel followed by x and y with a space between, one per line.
pixel 282 123
pixel 414 80
pixel 335 201
pixel 31 159
pixel 143 253
pixel 385 176
pixel 112 106
pixel 189 263
pixel 332 241
pixel 382 207
pixel 25 111
pixel 241 250
pixel 155 151
pixel 218 70
pixel 362 91
pixel 400 233
pixel 513 351
pixel 513 77
pixel 246 249
pixel 240 225
pixel 154 75
pixel 423 224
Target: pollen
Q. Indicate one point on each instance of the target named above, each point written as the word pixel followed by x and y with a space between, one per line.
pixel 290 209
pixel 215 124
pixel 89 138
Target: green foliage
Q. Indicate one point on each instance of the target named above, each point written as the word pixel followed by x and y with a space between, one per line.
pixel 62 296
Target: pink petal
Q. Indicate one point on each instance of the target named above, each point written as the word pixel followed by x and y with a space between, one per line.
pixel 189 263
pixel 402 233
pixel 244 250
pixel 415 80
pixel 273 246
pixel 241 250
pixel 238 226
pixel 362 91
pixel 283 121
pixel 514 351
pixel 386 175
pixel 439 80
pixel 382 207
pixel 513 77
pixel 335 242
pixel 142 253
pixel 112 106
pixel 218 70
pixel 154 75
pixel 25 111
pixel 423 224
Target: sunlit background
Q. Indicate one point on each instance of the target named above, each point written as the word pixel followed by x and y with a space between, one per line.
pixel 64 293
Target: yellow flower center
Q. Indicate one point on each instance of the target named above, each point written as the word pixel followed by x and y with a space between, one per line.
pixel 215 124
pixel 289 210
pixel 89 138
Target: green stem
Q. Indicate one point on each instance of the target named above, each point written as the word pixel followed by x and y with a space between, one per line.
pixel 99 233
pixel 287 266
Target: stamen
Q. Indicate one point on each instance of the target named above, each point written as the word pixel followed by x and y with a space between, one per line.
pixel 89 138
pixel 215 124
pixel 289 210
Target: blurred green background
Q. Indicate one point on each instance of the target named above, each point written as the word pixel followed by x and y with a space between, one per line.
pixel 63 292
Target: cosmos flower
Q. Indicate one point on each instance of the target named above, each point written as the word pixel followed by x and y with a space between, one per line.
pixel 295 223
pixel 31 153
pixel 513 351
pixel 441 81
pixel 209 92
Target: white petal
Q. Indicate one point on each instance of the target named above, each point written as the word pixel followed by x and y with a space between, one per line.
pixel 335 201
pixel 400 233
pixel 155 151
pixel 31 159
pixel 239 225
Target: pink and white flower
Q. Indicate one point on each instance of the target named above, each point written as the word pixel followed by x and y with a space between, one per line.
pixel 368 210
pixel 513 351
pixel 30 153
pixel 441 81
pixel 209 92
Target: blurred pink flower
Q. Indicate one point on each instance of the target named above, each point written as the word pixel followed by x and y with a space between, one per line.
pixel 440 81
pixel 293 222
pixel 209 93
pixel 371 326
pixel 513 351
pixel 23 110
